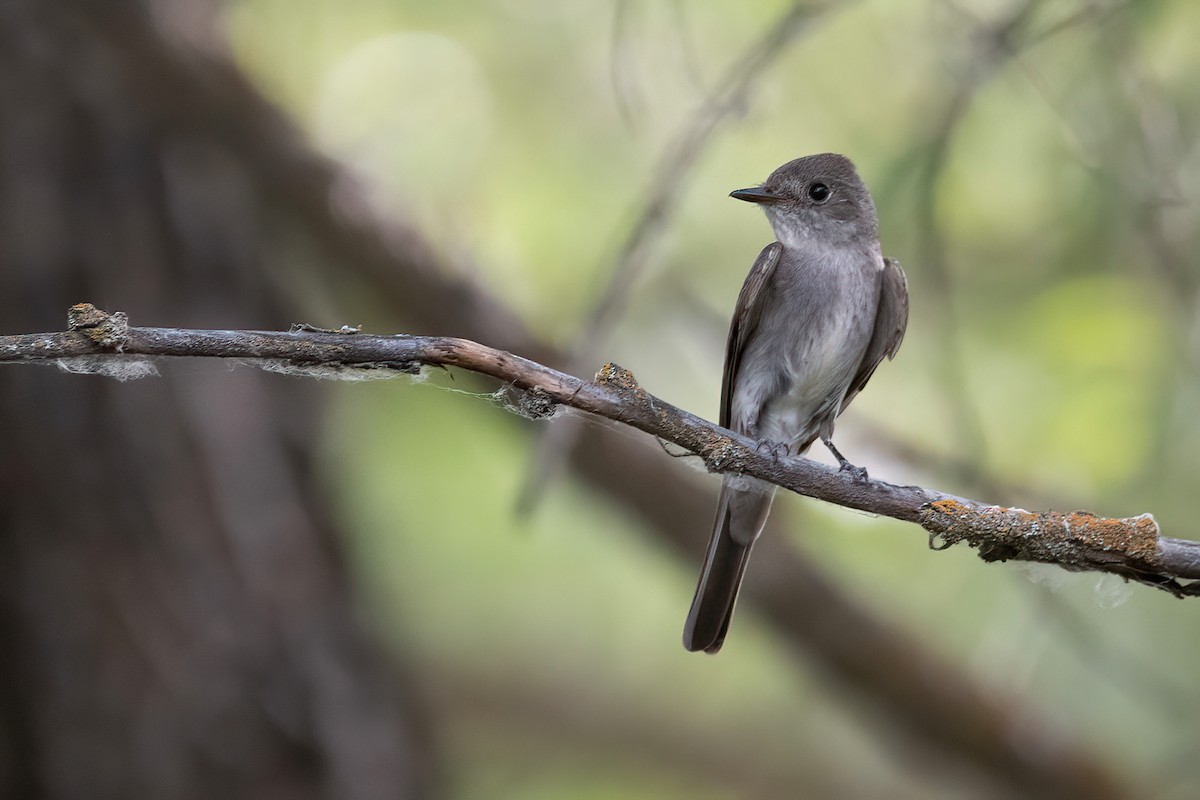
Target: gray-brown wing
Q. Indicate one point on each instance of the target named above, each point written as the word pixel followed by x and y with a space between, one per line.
pixel 890 321
pixel 746 316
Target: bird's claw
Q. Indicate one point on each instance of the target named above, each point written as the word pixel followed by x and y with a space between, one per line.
pixel 844 465
pixel 856 472
pixel 777 450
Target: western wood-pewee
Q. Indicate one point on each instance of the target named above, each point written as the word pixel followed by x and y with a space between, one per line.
pixel 819 310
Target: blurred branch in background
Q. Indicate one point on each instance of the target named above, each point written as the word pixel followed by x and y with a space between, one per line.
pixel 406 273
pixel 1144 164
pixel 219 126
pixel 176 614
pixel 995 44
pixel 1136 153
pixel 659 202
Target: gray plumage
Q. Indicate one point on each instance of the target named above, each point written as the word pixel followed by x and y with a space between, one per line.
pixel 819 310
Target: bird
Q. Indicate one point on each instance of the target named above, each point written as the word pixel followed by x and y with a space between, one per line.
pixel 818 312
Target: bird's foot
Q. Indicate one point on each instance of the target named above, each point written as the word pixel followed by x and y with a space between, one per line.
pixel 844 465
pixel 777 450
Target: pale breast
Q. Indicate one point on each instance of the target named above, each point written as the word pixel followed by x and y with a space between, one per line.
pixel 816 323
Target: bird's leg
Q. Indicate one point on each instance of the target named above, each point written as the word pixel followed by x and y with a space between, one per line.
pixel 859 473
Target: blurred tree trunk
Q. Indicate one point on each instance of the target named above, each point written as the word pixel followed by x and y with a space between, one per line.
pixel 175 615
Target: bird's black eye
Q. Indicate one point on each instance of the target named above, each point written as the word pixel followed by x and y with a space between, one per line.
pixel 819 192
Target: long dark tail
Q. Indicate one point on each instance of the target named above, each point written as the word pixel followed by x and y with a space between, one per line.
pixel 740 517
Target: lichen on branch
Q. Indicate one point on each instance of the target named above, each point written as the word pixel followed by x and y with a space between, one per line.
pixel 1130 547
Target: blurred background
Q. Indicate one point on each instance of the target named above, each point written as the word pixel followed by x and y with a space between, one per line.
pixel 226 583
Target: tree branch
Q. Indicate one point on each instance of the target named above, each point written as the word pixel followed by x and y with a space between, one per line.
pixel 196 95
pixel 1079 540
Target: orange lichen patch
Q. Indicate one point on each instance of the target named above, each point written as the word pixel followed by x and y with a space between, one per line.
pixel 1136 536
pixel 617 377
pixel 85 315
pixel 106 330
pixel 1074 538
pixel 950 507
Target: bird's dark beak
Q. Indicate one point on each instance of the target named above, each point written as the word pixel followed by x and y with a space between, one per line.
pixel 755 195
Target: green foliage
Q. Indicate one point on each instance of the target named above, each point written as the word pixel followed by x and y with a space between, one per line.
pixel 1055 272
